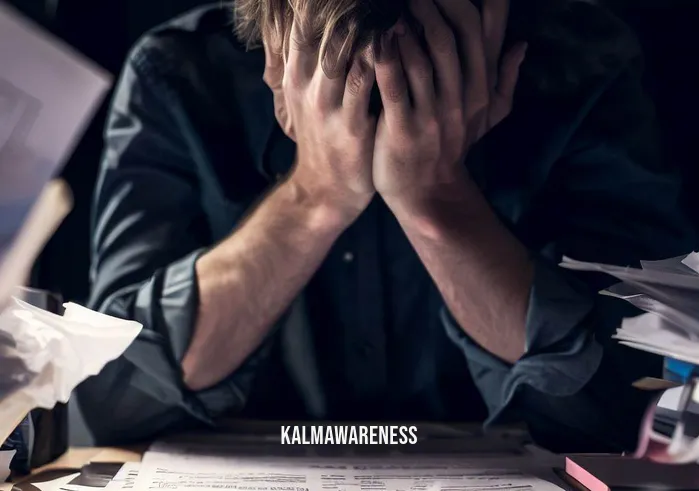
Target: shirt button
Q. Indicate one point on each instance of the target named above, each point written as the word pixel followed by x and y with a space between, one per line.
pixel 348 257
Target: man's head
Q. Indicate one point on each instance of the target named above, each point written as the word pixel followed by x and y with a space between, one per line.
pixel 338 28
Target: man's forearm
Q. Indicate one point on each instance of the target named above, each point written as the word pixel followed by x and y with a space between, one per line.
pixel 247 281
pixel 482 271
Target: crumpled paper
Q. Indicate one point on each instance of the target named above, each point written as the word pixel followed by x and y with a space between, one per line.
pixel 44 356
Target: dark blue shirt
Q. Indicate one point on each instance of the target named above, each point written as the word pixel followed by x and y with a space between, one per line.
pixel 192 144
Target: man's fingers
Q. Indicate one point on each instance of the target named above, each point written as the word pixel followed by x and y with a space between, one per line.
pixel 442 50
pixel 466 22
pixel 391 80
pixel 329 90
pixel 509 70
pixel 301 62
pixel 358 86
pixel 501 103
pixel 495 15
pixel 418 71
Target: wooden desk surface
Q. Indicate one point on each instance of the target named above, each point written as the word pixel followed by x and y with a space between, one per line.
pixel 75 458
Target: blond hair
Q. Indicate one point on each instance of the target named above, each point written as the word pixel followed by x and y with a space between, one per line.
pixel 338 28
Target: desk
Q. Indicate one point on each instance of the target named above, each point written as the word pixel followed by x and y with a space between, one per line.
pixel 77 457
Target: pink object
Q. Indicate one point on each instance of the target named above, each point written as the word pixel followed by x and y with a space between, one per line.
pixel 610 472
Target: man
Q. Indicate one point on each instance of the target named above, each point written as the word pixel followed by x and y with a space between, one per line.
pixel 359 261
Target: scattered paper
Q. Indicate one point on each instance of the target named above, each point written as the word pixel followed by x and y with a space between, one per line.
pixel 48 93
pixel 44 356
pixel 671 265
pixel 668 291
pixel 6 457
pixel 692 262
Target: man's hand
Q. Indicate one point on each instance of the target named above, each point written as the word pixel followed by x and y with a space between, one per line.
pixel 330 122
pixel 437 103
pixel 440 102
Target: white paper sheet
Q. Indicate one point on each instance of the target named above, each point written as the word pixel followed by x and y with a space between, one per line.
pixel 47 94
pixel 671 265
pixel 669 292
pixel 201 467
pixel 692 262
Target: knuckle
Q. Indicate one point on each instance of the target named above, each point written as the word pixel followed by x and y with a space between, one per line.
pixel 394 91
pixel 288 83
pixel 430 127
pixel 292 79
pixel 317 102
pixel 476 103
pixel 273 77
pixel 356 79
pixel 424 71
pixel 456 117
pixel 440 38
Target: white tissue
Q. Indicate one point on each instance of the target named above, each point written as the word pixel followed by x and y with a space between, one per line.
pixel 44 356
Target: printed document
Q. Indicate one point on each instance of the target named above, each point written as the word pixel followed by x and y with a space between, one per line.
pixel 195 467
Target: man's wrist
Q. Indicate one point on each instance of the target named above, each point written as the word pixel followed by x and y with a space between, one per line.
pixel 320 211
pixel 429 211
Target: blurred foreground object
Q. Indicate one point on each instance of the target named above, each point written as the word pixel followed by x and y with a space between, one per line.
pixel 670 431
pixel 42 436
pixel 54 203
pixel 48 93
pixel 44 356
pixel 668 291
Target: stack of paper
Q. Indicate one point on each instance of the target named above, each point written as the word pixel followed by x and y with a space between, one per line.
pixel 668 291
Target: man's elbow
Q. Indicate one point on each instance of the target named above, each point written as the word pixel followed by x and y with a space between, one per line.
pixel 118 409
pixel 198 372
pixel 193 376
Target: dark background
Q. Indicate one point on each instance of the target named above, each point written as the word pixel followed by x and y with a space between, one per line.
pixel 105 29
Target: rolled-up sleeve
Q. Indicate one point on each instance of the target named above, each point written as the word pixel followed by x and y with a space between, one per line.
pixel 149 229
pixel 574 380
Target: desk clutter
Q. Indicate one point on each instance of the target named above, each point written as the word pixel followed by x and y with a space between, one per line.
pixel 208 462
pixel 668 292
pixel 46 351
pixel 256 463
pixel 48 93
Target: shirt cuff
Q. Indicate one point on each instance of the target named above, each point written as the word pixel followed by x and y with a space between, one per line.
pixel 561 356
pixel 177 310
